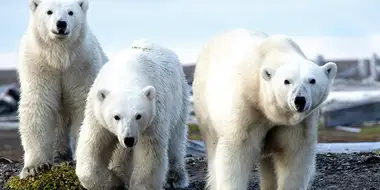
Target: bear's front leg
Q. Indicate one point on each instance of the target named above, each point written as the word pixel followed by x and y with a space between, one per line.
pixel 150 159
pixel 295 169
pixel 295 165
pixel 122 163
pixel 94 150
pixel 38 110
pixel 236 151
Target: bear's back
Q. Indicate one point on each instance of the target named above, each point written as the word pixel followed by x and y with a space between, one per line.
pixel 142 66
pixel 229 49
pixel 227 61
pixel 160 67
pixel 277 50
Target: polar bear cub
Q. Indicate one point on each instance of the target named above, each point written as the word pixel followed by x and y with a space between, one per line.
pixel 135 129
pixel 257 100
pixel 59 59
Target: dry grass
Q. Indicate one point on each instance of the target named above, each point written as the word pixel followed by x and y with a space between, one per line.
pixel 368 134
pixel 194 133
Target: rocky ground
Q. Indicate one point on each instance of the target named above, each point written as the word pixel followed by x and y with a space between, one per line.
pixel 359 171
pixel 355 171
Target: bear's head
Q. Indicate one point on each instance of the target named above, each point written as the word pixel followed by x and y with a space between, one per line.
pixel 127 113
pixel 298 88
pixel 58 20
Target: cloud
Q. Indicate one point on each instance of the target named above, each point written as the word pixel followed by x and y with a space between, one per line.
pixel 328 46
pixel 338 28
pixel 340 47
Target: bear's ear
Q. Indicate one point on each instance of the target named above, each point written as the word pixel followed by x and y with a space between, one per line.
pixel 267 73
pixel 102 94
pixel 83 4
pixel 330 69
pixel 150 92
pixel 33 4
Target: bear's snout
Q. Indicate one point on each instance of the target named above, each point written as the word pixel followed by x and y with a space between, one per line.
pixel 129 141
pixel 61 27
pixel 300 103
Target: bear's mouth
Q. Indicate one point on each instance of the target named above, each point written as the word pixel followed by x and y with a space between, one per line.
pixel 60 33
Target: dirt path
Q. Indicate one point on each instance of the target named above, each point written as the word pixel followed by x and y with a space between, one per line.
pixel 334 172
pixel 10 146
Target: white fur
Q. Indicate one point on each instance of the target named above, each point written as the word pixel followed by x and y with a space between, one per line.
pixel 247 113
pixel 146 79
pixel 55 74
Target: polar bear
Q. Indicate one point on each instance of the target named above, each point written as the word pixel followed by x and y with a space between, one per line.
pixel 59 59
pixel 136 112
pixel 257 99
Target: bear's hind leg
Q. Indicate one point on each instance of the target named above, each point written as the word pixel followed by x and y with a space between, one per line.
pixel 76 120
pixel 210 141
pixel 177 174
pixel 268 179
pixel 62 148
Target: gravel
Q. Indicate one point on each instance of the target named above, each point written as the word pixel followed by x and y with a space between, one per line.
pixel 354 171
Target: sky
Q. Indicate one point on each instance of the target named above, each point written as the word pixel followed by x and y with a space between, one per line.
pixel 334 28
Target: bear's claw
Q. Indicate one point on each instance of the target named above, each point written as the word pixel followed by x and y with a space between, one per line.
pixel 177 179
pixel 71 162
pixel 34 170
pixel 118 188
pixel 63 157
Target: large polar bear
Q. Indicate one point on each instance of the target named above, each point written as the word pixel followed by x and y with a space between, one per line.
pixel 136 112
pixel 257 99
pixel 59 59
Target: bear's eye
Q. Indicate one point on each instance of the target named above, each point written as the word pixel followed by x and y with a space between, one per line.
pixel 312 81
pixel 71 13
pixel 286 82
pixel 116 117
pixel 138 116
pixel 49 12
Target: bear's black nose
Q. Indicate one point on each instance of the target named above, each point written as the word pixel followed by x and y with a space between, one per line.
pixel 129 141
pixel 300 103
pixel 61 25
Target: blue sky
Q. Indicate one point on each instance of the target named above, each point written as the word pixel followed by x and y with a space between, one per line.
pixel 187 24
pixel 342 18
pixel 293 17
pixel 319 17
